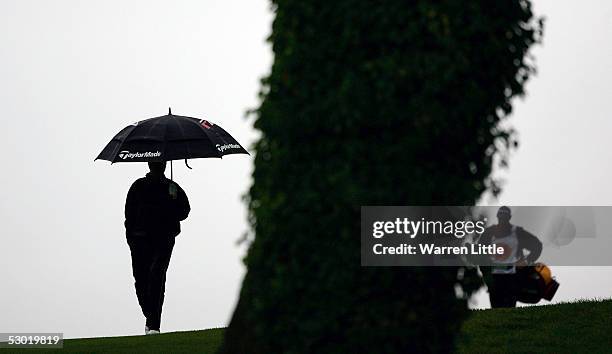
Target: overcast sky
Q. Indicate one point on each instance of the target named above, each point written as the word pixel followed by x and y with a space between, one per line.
pixel 73 73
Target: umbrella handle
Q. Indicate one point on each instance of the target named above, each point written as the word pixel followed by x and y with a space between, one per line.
pixel 188 165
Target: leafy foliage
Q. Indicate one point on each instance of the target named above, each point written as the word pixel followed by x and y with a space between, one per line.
pixel 385 103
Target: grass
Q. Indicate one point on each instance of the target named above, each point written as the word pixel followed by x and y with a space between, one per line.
pixel 579 327
pixel 205 341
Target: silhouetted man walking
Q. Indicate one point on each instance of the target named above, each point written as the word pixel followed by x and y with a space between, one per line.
pixel 153 211
pixel 502 278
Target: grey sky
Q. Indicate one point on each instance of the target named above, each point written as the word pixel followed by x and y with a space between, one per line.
pixel 75 72
pixel 564 128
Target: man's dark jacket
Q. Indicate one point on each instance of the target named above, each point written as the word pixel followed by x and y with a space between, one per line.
pixel 526 240
pixel 151 210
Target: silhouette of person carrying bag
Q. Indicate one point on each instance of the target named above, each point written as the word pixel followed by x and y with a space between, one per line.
pixel 154 208
pixel 502 277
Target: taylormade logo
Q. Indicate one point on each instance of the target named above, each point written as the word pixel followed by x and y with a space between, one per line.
pixel 130 155
pixel 222 148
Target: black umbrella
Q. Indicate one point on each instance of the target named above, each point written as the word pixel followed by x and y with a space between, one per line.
pixel 168 138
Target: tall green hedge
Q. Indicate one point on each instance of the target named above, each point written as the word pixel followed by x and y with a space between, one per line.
pixel 371 103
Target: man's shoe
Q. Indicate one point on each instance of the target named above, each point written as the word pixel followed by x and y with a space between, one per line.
pixel 152 331
pixel 147 329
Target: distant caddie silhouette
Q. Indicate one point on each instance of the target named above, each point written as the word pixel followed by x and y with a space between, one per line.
pixel 154 208
pixel 502 275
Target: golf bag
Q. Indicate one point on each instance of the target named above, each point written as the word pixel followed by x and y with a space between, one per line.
pixel 535 283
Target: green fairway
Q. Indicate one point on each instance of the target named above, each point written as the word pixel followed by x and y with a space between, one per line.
pixel 580 327
pixel 206 341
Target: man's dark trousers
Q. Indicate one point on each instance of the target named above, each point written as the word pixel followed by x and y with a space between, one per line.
pixel 503 290
pixel 150 260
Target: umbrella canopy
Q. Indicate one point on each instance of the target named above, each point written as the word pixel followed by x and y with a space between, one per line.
pixel 168 138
